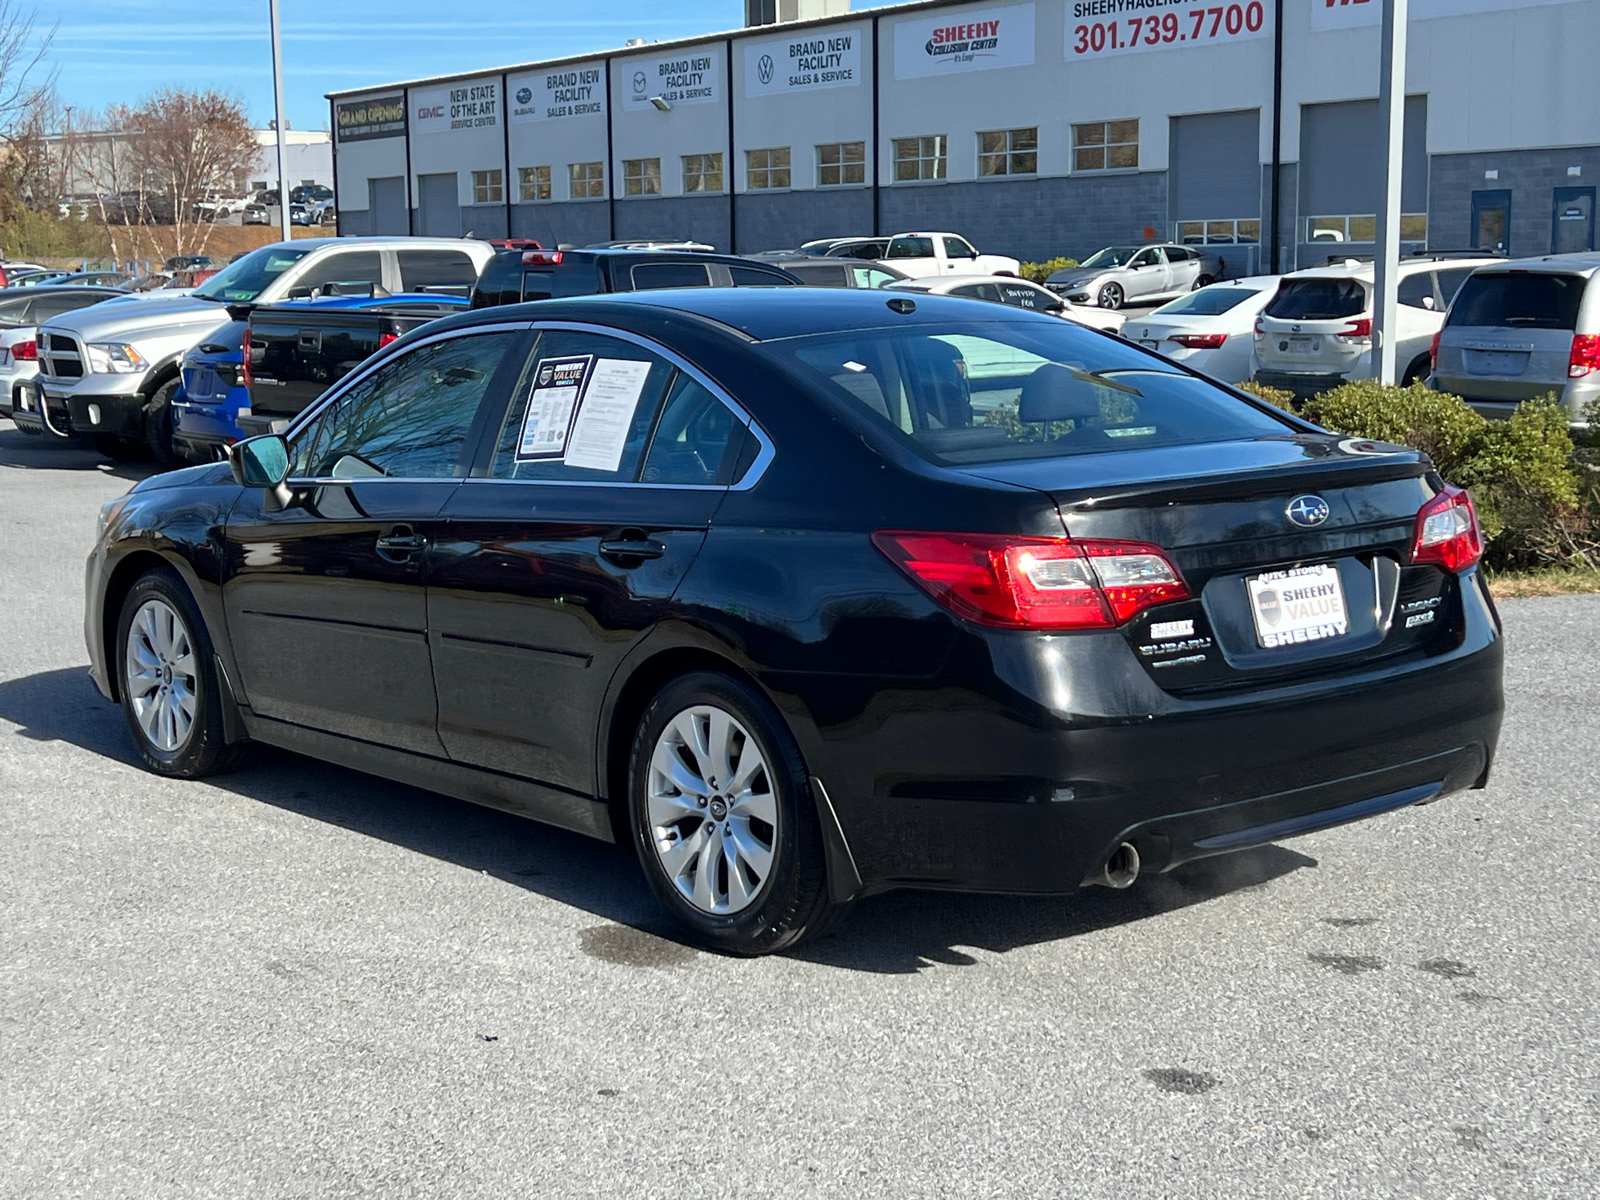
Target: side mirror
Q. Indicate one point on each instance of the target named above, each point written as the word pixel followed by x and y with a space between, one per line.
pixel 260 462
pixel 298 293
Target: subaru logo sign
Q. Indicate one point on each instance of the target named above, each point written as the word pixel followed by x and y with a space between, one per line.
pixel 764 69
pixel 1308 511
pixel 524 95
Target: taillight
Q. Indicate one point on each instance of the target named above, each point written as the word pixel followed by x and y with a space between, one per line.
pixel 1448 532
pixel 1035 583
pixel 540 257
pixel 1358 330
pixel 1585 355
pixel 1261 330
pixel 1200 341
pixel 385 338
pixel 27 351
pixel 245 374
pixel 1433 350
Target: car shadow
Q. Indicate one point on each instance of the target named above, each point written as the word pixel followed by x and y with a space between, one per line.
pixel 40 453
pixel 895 933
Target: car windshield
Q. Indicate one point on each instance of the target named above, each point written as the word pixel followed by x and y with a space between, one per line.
pixel 1207 302
pixel 1531 301
pixel 251 275
pixel 991 391
pixel 1112 256
pixel 1318 300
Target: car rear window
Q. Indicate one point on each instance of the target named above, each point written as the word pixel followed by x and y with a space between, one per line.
pixel 980 392
pixel 821 274
pixel 1318 300
pixel 670 275
pixel 1532 301
pixel 1208 302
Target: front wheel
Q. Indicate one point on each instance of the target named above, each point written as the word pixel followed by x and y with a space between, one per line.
pixel 168 681
pixel 1110 296
pixel 1201 281
pixel 158 424
pixel 721 813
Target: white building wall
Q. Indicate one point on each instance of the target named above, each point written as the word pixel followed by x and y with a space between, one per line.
pixel 456 126
pixel 563 121
pixel 693 79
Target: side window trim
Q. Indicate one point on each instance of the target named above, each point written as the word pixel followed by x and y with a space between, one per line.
pixel 477 473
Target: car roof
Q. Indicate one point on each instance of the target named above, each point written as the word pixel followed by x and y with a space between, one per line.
pixel 1362 268
pixel 1586 261
pixel 939 284
pixel 72 289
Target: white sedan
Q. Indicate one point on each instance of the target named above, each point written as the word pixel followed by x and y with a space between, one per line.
pixel 1211 330
pixel 1018 293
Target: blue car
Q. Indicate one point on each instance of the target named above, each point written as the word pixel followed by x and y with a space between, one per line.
pixel 212 394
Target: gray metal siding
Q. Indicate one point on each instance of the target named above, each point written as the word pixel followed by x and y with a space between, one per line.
pixel 1531 176
pixel 386 207
pixel 438 205
pixel 1216 166
pixel 1341 158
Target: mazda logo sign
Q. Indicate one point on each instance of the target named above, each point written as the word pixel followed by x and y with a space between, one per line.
pixel 1308 511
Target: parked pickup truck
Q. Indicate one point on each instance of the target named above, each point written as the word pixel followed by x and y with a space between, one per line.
pixel 921 254
pixel 292 353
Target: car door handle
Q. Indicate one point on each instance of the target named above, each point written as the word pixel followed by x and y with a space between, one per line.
pixel 399 543
pixel 631 548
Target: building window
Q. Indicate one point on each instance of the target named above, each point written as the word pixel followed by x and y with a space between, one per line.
pixel 1413 228
pixel 840 163
pixel 588 180
pixel 533 183
pixel 488 187
pixel 641 177
pixel 1009 152
pixel 920 157
pixel 767 168
pixel 1218 233
pixel 1105 146
pixel 702 172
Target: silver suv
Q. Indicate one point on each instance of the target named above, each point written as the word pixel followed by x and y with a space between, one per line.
pixel 1523 329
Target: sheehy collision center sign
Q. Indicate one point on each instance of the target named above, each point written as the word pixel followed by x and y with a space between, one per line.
pixel 1341 14
pixel 565 92
pixel 1102 28
pixel 686 78
pixel 972 40
pixel 463 106
pixel 803 63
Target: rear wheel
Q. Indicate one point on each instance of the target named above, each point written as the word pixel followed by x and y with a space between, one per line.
pixel 167 678
pixel 1202 281
pixel 1417 371
pixel 721 814
pixel 158 424
pixel 1110 296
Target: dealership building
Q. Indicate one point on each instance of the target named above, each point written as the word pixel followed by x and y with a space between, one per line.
pixel 1039 129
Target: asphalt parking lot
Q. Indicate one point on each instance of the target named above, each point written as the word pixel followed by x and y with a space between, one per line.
pixel 296 980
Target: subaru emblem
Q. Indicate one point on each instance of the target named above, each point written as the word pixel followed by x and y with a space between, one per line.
pixel 1308 511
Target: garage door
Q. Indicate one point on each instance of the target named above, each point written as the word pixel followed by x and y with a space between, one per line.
pixel 1216 166
pixel 440 202
pixel 386 205
pixel 1341 158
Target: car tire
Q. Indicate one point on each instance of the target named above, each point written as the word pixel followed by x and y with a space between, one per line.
pixel 1417 371
pixel 166 674
pixel 1202 281
pixel 1110 297
pixel 158 424
pixel 769 891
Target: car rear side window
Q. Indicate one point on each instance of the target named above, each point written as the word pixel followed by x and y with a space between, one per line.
pixel 757 277
pixel 582 410
pixel 1522 301
pixel 911 247
pixel 1318 300
pixel 992 391
pixel 408 419
pixel 694 439
pixel 822 274
pixel 1417 291
pixel 437 270
pixel 669 275
pixel 359 266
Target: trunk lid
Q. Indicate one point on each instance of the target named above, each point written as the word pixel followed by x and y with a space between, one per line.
pixel 1256 574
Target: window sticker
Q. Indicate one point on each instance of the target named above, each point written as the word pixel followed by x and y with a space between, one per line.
pixel 557 384
pixel 600 432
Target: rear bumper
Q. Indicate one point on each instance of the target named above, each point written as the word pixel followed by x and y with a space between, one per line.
pixel 1500 397
pixel 204 427
pixel 1302 384
pixel 953 788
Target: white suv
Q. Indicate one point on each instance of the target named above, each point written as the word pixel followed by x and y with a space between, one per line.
pixel 1316 333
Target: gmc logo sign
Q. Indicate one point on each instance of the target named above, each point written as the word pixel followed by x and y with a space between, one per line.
pixel 424 114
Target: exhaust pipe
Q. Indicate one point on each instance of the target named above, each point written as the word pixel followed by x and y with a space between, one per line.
pixel 1121 869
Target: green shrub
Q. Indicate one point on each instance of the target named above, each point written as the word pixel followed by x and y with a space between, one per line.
pixel 1441 426
pixel 1038 272
pixel 1274 396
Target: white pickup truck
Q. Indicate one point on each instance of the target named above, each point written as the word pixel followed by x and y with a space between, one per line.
pixel 922 254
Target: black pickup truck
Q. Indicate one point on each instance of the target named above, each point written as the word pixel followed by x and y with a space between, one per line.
pixel 295 352
pixel 513 276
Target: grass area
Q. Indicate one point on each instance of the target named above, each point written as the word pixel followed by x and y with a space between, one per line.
pixel 1553 581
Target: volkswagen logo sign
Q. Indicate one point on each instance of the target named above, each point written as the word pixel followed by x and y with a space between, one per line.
pixel 764 69
pixel 1308 511
pixel 639 83
pixel 524 95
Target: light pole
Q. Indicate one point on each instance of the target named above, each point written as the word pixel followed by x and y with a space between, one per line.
pixel 278 125
pixel 1392 117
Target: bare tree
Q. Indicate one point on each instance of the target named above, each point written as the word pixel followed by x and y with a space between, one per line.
pixel 25 92
pixel 184 147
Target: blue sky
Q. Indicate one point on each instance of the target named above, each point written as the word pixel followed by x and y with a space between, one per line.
pixel 110 51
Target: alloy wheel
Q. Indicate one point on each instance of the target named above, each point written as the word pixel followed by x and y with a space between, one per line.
pixel 159 672
pixel 712 809
pixel 1111 296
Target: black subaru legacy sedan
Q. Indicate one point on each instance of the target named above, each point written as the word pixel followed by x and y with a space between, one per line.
pixel 807 594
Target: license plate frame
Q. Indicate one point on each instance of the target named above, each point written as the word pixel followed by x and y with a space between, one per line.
pixel 1302 344
pixel 1297 606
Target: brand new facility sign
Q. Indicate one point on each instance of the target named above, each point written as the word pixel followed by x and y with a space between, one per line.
pixel 689 77
pixel 974 39
pixel 563 92
pixel 809 60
